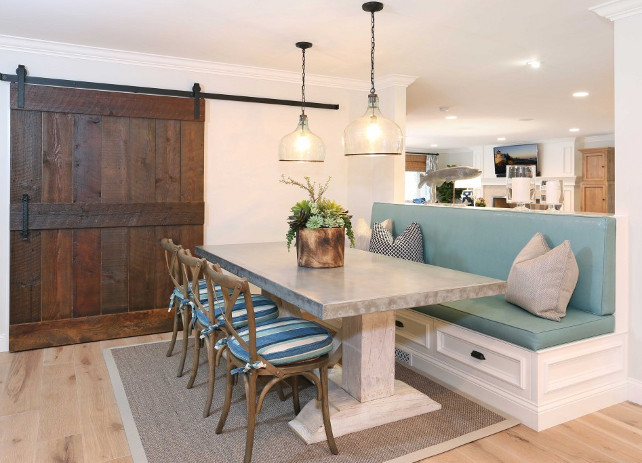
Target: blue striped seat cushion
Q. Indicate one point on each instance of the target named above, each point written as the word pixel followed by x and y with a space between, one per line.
pixel 285 340
pixel 264 310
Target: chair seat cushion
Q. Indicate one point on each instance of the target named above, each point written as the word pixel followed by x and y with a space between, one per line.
pixel 285 340
pixel 264 310
pixel 202 291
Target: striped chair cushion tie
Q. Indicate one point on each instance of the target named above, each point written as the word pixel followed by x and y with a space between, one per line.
pixel 264 310
pixel 285 340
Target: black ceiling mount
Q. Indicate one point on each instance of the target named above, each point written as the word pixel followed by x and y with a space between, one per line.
pixel 303 45
pixel 372 7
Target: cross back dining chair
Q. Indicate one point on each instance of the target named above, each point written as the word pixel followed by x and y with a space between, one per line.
pixel 207 318
pixel 281 348
pixel 178 300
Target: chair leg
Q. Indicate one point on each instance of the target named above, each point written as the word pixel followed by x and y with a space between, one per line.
pixel 295 395
pixel 197 351
pixel 325 407
pixel 174 333
pixel 211 363
pixel 229 385
pixel 251 415
pixel 186 322
pixel 280 392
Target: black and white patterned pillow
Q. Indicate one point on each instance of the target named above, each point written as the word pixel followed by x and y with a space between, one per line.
pixel 409 245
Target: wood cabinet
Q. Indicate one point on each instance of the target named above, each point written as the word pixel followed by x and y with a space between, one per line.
pixel 597 190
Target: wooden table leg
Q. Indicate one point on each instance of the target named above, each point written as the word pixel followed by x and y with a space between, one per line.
pixel 369 355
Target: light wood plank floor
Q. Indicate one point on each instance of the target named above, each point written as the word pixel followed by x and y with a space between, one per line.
pixel 57 405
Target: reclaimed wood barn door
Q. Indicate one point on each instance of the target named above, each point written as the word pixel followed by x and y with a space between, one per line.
pixel 107 175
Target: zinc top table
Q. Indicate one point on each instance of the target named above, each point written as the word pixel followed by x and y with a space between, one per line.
pixel 364 292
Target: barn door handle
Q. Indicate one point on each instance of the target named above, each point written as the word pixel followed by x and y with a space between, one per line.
pixel 25 217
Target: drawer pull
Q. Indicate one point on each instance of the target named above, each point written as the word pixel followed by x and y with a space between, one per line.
pixel 477 355
pixel 398 324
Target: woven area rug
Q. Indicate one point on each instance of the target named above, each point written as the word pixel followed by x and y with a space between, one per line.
pixel 163 420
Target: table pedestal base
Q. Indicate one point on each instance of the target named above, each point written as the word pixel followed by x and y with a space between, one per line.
pixel 348 415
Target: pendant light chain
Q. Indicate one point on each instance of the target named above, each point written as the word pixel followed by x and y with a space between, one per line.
pixel 303 83
pixel 372 51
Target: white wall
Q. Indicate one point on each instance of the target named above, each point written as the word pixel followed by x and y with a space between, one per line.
pixel 244 200
pixel 628 120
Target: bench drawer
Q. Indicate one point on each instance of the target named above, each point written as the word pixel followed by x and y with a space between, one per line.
pixel 414 330
pixel 499 363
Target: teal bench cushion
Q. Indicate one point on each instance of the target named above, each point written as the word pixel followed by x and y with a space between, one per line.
pixel 485 242
pixel 495 317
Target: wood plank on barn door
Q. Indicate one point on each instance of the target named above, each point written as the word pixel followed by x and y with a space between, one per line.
pixel 141 163
pixel 109 175
pixel 57 251
pixel 26 178
pixel 114 241
pixel 87 190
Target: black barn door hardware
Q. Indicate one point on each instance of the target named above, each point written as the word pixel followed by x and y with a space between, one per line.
pixel 21 78
pixel 25 217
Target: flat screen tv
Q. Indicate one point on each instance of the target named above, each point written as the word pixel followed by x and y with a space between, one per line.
pixel 521 155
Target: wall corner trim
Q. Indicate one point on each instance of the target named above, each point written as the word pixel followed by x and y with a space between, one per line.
pixel 618 9
pixel 634 393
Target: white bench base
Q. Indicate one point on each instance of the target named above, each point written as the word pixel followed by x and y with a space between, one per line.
pixel 540 388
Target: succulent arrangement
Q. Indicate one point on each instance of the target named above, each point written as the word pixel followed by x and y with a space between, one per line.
pixel 316 212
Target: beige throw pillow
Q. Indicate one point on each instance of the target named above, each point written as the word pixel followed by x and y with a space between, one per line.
pixel 542 280
pixel 363 233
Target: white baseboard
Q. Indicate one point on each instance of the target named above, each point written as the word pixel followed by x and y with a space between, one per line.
pixel 4 342
pixel 634 393
pixel 531 415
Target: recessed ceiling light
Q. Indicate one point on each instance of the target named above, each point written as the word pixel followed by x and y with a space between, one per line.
pixel 434 145
pixel 580 94
pixel 535 64
pixel 501 138
pixel 574 129
pixel 451 118
pixel 525 119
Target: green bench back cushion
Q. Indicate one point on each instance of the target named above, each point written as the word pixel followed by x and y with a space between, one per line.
pixel 485 241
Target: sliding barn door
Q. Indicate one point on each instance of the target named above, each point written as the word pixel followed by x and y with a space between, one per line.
pixel 97 179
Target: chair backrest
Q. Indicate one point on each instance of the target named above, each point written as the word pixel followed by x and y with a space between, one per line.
pixel 192 271
pixel 232 287
pixel 171 259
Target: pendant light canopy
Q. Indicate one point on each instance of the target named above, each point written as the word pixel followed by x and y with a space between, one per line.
pixel 372 133
pixel 302 145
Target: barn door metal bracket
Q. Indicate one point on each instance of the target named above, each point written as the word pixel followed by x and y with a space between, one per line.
pixel 25 217
pixel 197 100
pixel 21 72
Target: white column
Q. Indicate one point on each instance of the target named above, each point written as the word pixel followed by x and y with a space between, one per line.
pixel 627 17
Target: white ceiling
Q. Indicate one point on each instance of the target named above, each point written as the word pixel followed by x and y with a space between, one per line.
pixel 469 55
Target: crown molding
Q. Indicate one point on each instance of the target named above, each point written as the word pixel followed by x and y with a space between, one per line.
pixel 395 80
pixel 605 137
pixel 83 52
pixel 618 9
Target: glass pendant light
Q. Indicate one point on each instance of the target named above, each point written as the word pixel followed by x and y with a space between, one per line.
pixel 302 145
pixel 372 133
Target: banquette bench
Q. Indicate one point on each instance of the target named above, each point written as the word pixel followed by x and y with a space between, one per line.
pixel 543 372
